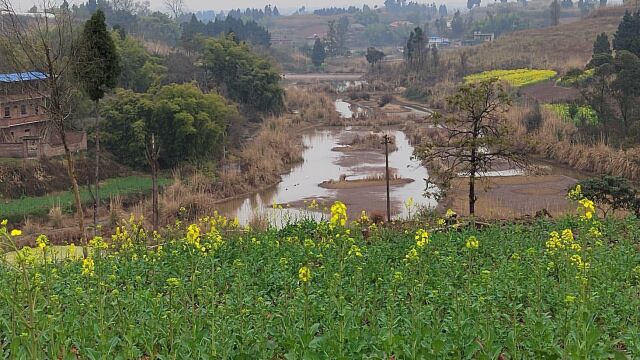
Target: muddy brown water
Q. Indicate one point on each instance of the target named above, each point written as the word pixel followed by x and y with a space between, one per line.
pixel 301 185
pixel 321 163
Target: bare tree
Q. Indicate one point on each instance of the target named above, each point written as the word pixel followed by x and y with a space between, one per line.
pixel 472 141
pixel 175 7
pixel 46 44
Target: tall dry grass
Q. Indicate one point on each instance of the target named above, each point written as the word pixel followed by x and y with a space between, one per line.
pixel 274 148
pixel 559 140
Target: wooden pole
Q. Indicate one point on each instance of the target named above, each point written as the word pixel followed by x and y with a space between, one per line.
pixel 386 159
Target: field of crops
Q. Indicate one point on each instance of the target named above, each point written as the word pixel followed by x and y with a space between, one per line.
pixel 568 289
pixel 17 209
pixel 577 114
pixel 515 78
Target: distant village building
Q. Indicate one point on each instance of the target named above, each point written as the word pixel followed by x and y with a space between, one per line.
pixel 401 23
pixel 438 41
pixel 281 40
pixel 483 37
pixel 25 129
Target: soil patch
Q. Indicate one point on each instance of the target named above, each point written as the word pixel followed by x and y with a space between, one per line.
pixel 511 197
pixel 360 183
pixel 548 91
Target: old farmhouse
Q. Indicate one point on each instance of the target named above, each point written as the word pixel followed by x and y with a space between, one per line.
pixel 25 129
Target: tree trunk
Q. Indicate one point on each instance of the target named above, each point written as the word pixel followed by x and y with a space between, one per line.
pixel 76 191
pixel 472 193
pixel 154 175
pixel 96 200
pixel 472 172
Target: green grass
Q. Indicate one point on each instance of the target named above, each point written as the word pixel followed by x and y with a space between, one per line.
pixel 241 297
pixel 515 78
pixel 39 206
pixel 582 114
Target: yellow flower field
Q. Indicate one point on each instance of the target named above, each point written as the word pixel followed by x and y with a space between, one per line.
pixel 515 78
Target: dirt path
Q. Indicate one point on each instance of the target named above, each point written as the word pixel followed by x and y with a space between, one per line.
pixel 323 77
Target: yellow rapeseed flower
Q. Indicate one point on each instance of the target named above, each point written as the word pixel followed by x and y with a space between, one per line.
pixel 595 232
pixel 575 193
pixel 304 274
pixel 422 238
pixel 173 282
pixel 71 251
pixel 42 241
pixel 16 232
pixel 472 242
pixel 88 267
pixel 355 251
pixel 569 298
pixel 412 255
pixel 338 214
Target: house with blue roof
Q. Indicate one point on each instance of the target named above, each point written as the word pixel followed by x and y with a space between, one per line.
pixel 25 129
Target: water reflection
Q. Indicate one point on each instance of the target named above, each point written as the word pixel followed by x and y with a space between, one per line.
pixel 320 164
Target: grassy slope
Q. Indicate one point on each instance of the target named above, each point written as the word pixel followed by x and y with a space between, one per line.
pixel 40 205
pixel 509 298
pixel 560 48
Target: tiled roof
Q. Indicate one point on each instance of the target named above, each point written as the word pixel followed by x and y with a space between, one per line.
pixel 23 76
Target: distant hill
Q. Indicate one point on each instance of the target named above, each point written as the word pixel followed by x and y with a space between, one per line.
pixel 561 47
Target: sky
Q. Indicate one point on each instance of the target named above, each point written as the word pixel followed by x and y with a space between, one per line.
pixel 283 5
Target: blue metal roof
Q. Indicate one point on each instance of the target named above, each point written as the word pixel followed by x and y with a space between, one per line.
pixel 23 76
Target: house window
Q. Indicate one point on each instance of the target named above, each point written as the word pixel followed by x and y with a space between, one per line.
pixel 27 132
pixel 23 109
pixel 7 111
pixel 37 109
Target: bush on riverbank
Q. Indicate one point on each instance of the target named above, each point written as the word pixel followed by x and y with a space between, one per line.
pixel 214 290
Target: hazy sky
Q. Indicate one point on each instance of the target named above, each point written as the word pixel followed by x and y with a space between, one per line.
pixel 207 4
pixel 24 5
pixel 242 4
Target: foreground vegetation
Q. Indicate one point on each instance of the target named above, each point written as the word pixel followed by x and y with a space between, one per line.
pixel 567 289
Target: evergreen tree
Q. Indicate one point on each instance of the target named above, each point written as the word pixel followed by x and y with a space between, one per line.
pixel 92 6
pixel 628 35
pixel 341 35
pixel 457 24
pixel 318 54
pixel 554 13
pixel 442 10
pixel 98 70
pixel 601 45
pixel 601 52
pixel 374 55
pixel 275 11
pixel 332 39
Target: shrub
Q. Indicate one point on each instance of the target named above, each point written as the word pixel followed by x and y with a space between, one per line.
pixel 611 193
pixel 385 99
pixel 533 119
pixel 417 93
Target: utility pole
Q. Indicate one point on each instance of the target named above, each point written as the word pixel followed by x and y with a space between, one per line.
pixel 152 155
pixel 386 142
